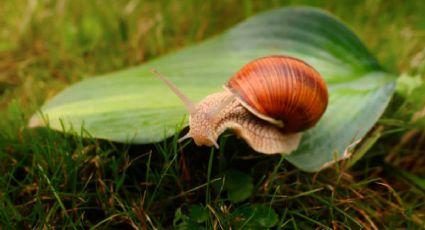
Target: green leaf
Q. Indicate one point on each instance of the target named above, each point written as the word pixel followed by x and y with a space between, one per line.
pixel 134 106
pixel 179 217
pixel 238 185
pixel 254 217
pixel 198 213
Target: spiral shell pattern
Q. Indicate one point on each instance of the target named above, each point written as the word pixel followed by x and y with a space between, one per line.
pixel 283 88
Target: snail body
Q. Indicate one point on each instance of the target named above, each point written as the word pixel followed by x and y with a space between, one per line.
pixel 269 103
pixel 261 135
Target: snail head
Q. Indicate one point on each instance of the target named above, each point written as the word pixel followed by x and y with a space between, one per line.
pixel 202 116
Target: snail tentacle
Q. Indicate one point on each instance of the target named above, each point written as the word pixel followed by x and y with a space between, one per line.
pixel 190 105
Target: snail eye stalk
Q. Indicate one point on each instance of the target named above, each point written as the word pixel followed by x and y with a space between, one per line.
pixel 190 105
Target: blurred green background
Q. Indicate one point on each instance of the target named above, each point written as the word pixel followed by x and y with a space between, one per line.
pixel 46 45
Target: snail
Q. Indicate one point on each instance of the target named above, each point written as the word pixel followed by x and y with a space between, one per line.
pixel 270 102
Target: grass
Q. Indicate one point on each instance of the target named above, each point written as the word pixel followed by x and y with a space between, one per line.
pixel 56 180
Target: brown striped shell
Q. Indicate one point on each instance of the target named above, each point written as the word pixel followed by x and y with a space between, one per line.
pixel 282 90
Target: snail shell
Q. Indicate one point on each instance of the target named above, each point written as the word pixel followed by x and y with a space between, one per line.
pixel 282 90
